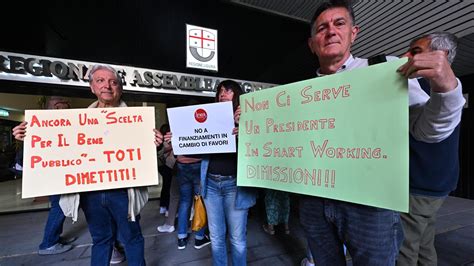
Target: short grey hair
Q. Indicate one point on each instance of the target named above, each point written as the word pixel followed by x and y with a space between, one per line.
pixel 442 41
pixel 105 67
pixel 329 4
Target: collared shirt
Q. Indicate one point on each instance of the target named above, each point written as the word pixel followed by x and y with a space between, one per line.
pixel 351 63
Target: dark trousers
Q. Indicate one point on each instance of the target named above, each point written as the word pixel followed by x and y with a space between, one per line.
pixel 372 235
pixel 167 174
pixel 107 216
pixel 419 227
pixel 54 225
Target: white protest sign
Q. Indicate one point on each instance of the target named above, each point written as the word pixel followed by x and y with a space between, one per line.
pixel 76 150
pixel 203 128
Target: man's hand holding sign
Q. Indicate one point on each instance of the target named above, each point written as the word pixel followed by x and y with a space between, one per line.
pixel 95 149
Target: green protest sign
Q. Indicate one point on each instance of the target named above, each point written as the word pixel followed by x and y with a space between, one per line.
pixel 342 136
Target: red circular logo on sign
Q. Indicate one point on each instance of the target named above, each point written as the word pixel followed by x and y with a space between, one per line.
pixel 200 115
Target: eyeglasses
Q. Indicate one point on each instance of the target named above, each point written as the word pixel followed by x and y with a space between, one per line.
pixel 226 91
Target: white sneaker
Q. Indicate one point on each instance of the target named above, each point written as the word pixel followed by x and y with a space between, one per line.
pixel 166 228
pixel 306 262
pixel 58 248
pixel 117 257
pixel 162 210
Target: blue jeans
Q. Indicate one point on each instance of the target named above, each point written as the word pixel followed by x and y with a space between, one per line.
pixel 107 216
pixel 54 224
pixel 372 235
pixel 188 178
pixel 222 215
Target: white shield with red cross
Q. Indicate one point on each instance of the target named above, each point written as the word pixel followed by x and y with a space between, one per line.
pixel 201 48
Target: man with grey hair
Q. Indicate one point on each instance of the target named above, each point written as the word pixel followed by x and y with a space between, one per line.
pixel 373 235
pixel 434 170
pixel 112 213
pixel 436 41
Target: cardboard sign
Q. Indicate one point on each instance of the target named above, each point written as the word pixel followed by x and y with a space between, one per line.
pixel 76 150
pixel 342 136
pixel 203 128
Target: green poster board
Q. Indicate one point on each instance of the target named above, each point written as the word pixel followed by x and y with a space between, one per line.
pixel 342 136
